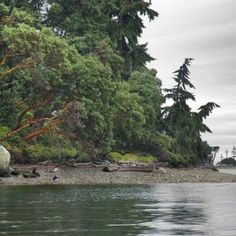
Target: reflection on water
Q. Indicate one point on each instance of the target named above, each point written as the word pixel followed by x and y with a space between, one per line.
pixel 163 209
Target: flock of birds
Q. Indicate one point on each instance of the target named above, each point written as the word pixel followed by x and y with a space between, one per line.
pixel 30 174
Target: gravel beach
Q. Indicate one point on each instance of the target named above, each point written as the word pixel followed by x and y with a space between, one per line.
pixel 85 175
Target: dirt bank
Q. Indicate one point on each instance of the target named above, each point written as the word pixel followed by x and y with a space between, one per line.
pixel 94 175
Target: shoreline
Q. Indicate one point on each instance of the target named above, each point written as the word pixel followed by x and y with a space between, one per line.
pixel 84 175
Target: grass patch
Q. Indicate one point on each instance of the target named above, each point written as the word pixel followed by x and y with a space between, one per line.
pixel 132 158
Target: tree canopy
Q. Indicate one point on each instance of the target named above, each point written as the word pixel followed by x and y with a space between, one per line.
pixel 74 84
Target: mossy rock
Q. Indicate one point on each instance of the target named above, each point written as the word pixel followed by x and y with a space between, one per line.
pixel 4 161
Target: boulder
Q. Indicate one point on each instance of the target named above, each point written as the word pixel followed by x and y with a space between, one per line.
pixel 4 161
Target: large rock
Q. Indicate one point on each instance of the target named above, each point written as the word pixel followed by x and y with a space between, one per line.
pixel 4 161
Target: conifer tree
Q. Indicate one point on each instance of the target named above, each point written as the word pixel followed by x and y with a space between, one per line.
pixel 181 123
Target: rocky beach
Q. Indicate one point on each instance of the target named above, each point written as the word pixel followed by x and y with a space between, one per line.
pixel 92 175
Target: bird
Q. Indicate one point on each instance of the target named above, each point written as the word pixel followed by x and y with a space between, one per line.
pixel 33 174
pixel 55 178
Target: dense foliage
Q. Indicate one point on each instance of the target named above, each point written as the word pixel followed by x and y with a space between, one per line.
pixel 73 84
pixel 228 161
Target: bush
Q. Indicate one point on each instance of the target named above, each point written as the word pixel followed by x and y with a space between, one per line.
pixel 38 152
pixel 177 160
pixel 228 161
pixel 15 147
pixel 4 130
pixel 84 158
pixel 157 144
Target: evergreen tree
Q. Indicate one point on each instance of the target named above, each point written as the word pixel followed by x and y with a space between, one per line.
pixel 233 153
pixel 126 27
pixel 181 123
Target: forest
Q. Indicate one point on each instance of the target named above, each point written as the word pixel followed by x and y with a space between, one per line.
pixel 74 84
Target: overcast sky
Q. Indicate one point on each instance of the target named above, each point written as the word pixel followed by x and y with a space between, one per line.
pixel 206 31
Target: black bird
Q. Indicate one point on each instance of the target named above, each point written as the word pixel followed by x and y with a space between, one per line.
pixel 55 178
pixel 33 174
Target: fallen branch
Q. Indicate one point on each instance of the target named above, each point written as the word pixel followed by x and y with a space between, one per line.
pixel 135 168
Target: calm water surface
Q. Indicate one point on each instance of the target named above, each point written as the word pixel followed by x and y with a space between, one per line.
pixel 228 170
pixel 163 209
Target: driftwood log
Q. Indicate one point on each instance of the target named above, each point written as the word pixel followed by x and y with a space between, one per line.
pixel 137 168
pixel 110 168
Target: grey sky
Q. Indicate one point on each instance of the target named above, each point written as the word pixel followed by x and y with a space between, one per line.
pixel 206 31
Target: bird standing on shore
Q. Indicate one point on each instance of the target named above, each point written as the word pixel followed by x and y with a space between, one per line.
pixel 55 178
pixel 33 174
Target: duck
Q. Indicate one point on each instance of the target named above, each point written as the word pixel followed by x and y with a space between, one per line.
pixel 33 174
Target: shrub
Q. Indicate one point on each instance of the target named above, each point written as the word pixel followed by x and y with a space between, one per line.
pixel 177 160
pixel 228 161
pixel 84 158
pixel 38 152
pixel 4 130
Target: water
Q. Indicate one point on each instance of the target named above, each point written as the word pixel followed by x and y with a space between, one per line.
pixel 228 170
pixel 163 209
